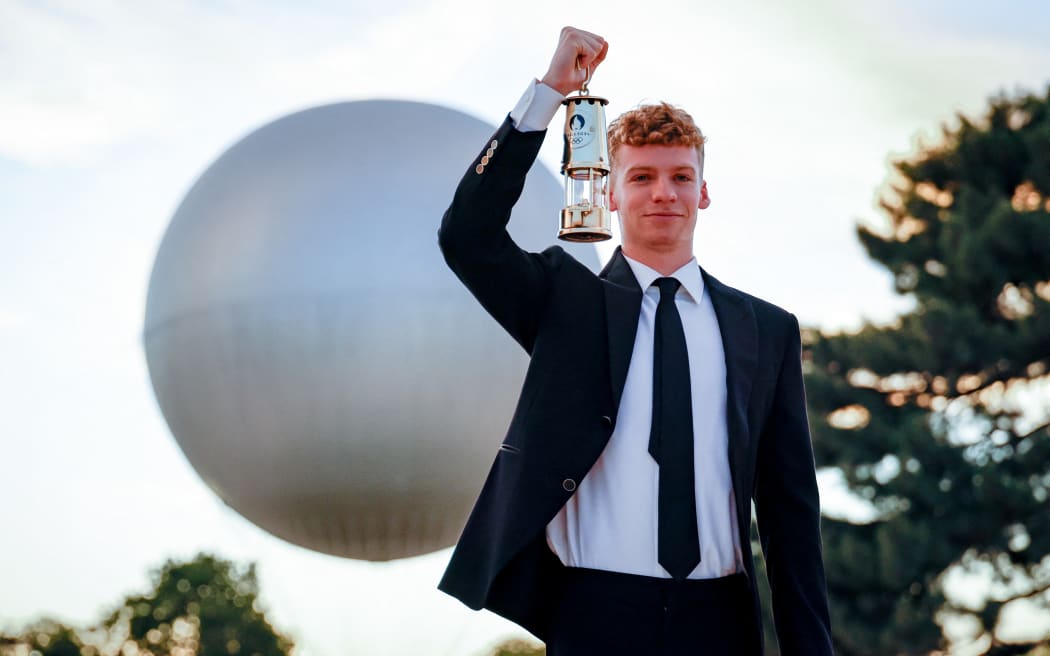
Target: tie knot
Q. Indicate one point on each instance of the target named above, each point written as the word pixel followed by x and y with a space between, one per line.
pixel 668 287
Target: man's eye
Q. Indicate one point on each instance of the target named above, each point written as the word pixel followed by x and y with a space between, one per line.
pixel 685 178
pixel 641 177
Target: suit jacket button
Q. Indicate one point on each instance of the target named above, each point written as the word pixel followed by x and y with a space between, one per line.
pixel 568 484
pixel 607 420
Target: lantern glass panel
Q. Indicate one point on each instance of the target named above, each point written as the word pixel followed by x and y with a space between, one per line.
pixel 585 188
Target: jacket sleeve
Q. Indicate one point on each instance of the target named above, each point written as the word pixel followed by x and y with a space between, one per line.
pixel 788 508
pixel 510 283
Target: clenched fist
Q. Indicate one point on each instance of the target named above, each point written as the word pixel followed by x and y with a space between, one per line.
pixel 578 51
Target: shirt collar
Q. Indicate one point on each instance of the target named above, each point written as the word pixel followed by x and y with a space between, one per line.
pixel 688 275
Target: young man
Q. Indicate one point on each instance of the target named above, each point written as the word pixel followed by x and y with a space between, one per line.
pixel 658 403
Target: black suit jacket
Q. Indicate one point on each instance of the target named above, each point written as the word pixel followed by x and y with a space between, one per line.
pixel 579 331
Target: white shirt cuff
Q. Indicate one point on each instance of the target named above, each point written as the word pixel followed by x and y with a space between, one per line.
pixel 537 107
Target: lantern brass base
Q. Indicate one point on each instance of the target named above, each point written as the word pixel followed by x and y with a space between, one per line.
pixel 585 225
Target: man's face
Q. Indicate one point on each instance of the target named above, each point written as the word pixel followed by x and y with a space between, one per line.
pixel 658 191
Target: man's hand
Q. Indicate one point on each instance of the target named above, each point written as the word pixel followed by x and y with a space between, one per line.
pixel 577 52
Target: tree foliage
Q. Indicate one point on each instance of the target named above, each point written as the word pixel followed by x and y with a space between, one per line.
pixel 46 637
pixel 203 607
pixel 940 420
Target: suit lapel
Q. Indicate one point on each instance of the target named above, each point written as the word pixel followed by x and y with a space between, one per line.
pixel 623 303
pixel 736 321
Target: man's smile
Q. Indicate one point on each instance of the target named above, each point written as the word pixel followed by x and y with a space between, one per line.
pixel 665 215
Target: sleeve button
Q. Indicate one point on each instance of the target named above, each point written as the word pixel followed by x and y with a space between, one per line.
pixel 568 485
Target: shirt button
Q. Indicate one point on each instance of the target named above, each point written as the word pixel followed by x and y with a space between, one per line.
pixel 568 484
pixel 607 420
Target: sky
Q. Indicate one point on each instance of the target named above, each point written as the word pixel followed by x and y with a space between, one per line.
pixel 109 111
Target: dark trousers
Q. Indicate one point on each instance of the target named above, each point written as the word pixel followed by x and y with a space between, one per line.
pixel 612 614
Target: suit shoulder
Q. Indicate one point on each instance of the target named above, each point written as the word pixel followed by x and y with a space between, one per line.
pixel 770 311
pixel 765 311
pixel 560 260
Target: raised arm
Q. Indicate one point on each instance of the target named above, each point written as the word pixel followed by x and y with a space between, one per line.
pixel 509 282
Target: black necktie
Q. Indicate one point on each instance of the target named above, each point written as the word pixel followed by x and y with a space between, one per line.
pixel 671 439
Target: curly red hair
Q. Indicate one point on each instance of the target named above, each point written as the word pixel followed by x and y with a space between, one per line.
pixel 659 124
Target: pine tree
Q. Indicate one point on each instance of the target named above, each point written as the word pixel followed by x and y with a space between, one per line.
pixel 940 420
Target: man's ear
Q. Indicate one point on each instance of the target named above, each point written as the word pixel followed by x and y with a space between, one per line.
pixel 705 200
pixel 612 196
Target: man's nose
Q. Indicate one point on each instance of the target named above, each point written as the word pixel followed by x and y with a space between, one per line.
pixel 663 190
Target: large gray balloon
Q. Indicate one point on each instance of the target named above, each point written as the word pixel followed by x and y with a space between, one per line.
pixel 322 370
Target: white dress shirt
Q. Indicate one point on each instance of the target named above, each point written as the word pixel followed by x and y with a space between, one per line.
pixel 536 108
pixel 610 523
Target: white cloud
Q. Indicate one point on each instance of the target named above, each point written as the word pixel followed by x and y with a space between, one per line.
pixel 85 77
pixel 10 319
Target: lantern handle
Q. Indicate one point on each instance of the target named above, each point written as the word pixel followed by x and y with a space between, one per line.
pixel 586 80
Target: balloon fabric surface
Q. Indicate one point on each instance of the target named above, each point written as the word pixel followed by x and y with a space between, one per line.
pixel 316 361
